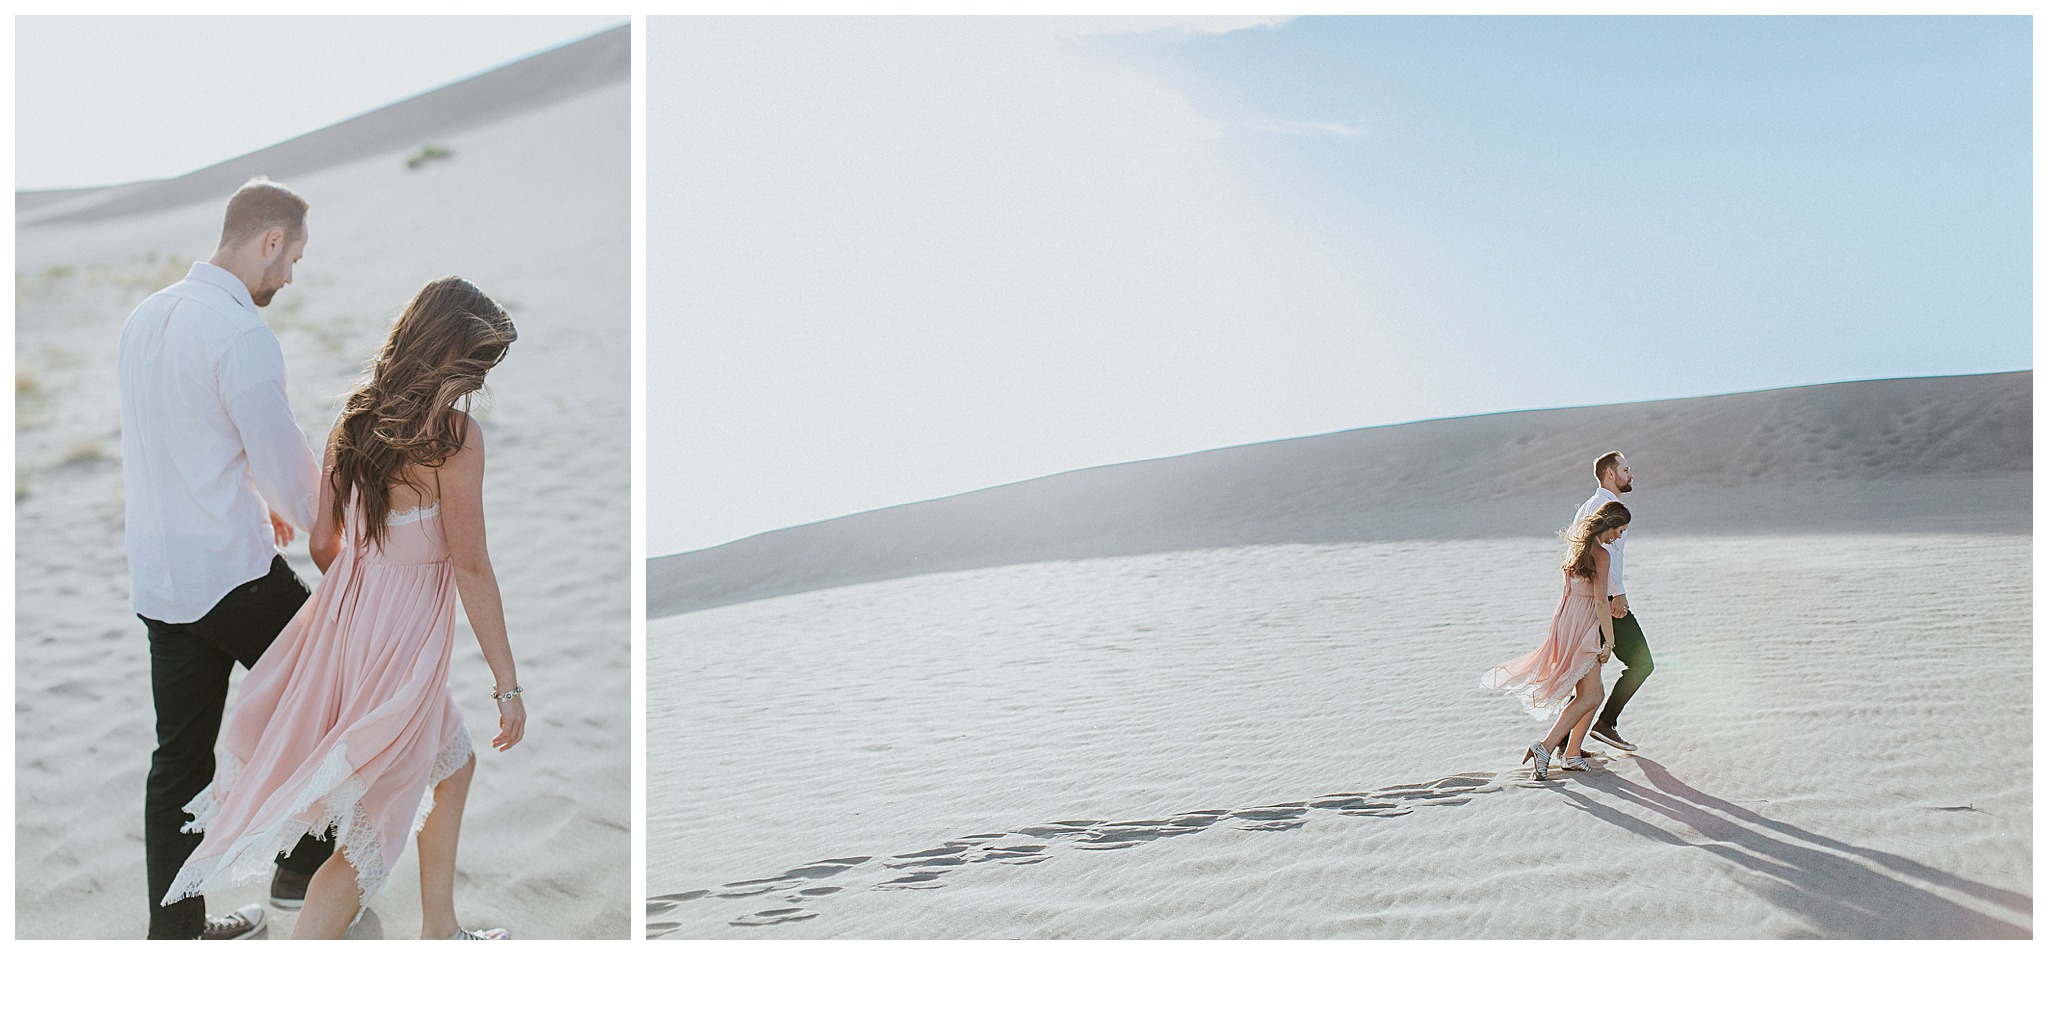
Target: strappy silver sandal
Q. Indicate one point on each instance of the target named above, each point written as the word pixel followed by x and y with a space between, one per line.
pixel 481 934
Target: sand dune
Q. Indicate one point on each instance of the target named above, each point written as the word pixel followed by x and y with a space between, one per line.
pixel 1287 739
pixel 1914 454
pixel 533 205
pixel 507 91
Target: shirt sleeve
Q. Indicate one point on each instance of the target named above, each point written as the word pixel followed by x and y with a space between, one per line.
pixel 286 472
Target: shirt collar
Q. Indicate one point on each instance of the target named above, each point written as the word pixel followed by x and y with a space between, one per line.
pixel 220 278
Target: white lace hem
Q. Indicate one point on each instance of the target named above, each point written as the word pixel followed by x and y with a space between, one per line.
pixel 335 785
pixel 446 763
pixel 1524 687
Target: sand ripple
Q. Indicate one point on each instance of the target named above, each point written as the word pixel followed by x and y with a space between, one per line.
pixel 1227 743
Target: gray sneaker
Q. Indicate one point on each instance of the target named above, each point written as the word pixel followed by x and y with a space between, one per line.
pixel 245 924
pixel 1606 735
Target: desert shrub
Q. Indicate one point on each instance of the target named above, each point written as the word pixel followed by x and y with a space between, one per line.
pixel 428 153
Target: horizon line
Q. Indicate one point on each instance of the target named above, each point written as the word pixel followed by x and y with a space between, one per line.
pixel 1325 434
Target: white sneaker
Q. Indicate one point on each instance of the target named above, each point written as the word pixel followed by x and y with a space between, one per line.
pixel 244 924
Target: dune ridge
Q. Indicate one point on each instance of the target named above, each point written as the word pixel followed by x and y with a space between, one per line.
pixel 1908 454
pixel 501 92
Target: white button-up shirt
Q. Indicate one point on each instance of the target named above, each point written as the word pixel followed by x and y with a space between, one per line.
pixel 207 442
pixel 1602 496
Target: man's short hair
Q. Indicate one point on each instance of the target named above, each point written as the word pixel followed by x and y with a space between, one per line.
pixel 1604 464
pixel 260 205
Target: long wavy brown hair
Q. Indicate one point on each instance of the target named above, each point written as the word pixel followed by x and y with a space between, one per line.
pixel 1578 549
pixel 410 409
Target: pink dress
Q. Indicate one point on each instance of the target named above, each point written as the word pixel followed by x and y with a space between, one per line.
pixel 345 722
pixel 1543 679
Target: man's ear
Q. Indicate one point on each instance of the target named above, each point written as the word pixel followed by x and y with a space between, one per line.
pixel 273 243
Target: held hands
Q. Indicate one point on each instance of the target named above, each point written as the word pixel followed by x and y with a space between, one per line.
pixel 511 723
pixel 1617 606
pixel 282 530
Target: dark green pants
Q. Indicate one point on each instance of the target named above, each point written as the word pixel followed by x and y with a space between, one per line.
pixel 1634 654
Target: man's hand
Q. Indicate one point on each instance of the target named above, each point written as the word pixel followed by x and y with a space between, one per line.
pixel 282 529
pixel 1618 605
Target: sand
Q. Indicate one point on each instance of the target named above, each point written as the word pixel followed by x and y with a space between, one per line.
pixel 533 205
pixel 1287 740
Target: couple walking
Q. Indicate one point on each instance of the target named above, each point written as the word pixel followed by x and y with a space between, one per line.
pixel 344 737
pixel 1593 622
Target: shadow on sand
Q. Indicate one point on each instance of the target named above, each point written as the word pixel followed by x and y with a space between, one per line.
pixel 1842 891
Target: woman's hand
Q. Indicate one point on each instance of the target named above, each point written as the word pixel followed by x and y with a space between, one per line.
pixel 1606 652
pixel 511 724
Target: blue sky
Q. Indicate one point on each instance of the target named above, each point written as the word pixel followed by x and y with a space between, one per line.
pixel 1702 204
pixel 895 260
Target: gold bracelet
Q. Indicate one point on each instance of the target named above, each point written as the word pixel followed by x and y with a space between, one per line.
pixel 501 698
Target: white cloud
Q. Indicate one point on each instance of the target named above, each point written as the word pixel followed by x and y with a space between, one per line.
pixel 1308 128
pixel 1207 25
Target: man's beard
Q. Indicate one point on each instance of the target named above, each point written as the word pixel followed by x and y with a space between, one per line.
pixel 1625 488
pixel 263 298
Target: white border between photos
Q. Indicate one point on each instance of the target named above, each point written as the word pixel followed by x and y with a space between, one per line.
pixel 716 982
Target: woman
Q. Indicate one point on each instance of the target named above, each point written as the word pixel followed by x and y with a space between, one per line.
pixel 346 723
pixel 1580 640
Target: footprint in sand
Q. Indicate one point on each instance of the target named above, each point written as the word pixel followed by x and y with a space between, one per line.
pixel 927 869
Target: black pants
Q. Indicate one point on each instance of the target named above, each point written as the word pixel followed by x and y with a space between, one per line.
pixel 188 674
pixel 1634 654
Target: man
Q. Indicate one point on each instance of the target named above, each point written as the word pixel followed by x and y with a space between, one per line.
pixel 1612 472
pixel 217 475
